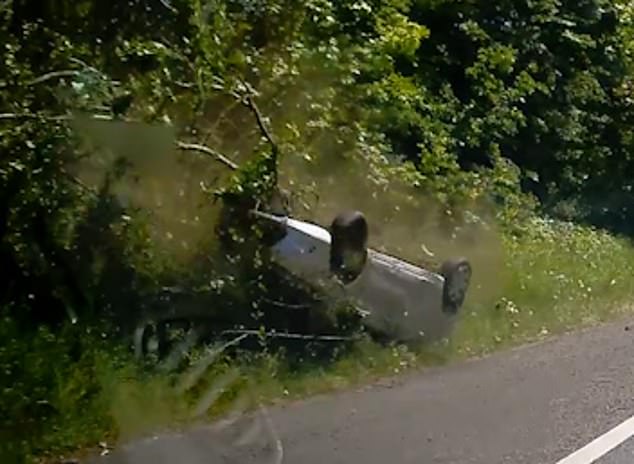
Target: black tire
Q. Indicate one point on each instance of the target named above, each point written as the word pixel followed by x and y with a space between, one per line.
pixel 457 274
pixel 152 340
pixel 149 340
pixel 348 247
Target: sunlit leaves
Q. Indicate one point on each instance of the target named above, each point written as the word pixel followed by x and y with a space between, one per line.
pixel 398 35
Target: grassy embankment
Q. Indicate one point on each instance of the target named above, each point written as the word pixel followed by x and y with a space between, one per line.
pixel 555 277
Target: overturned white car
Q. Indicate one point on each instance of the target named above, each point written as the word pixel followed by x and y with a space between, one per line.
pixel 394 299
pixel 402 301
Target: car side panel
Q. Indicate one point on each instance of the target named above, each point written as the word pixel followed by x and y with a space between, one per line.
pixel 303 254
pixel 401 300
pixel 397 298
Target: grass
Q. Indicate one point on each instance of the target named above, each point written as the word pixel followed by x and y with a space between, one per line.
pixel 557 276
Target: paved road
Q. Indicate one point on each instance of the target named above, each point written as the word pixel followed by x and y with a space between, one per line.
pixel 536 404
pixel 623 454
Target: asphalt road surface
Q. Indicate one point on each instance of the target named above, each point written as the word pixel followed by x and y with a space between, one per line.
pixel 537 404
pixel 623 454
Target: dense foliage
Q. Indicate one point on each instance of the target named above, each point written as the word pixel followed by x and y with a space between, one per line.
pixel 130 131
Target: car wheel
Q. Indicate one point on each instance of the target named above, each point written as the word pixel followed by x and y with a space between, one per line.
pixel 148 340
pixel 348 247
pixel 154 339
pixel 457 275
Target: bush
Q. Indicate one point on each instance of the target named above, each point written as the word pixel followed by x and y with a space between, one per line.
pixel 52 397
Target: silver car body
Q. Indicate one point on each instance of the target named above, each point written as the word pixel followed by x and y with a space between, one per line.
pixel 396 298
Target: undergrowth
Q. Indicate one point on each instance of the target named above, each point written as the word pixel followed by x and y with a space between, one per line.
pixel 71 391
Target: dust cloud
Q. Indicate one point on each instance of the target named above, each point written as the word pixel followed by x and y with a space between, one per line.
pixel 403 221
pixel 167 185
pixel 326 177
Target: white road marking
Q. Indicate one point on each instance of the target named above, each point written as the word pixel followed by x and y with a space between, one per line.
pixel 601 445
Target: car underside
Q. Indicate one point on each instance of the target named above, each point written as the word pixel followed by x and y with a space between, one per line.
pixel 308 270
pixel 397 298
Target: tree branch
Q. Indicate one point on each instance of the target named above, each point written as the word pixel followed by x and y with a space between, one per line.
pixel 208 151
pixel 292 336
pixel 10 116
pixel 47 77
pixel 249 102
pixel 77 181
pixel 168 5
pixel 54 75
pixel 57 117
pixel 104 117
